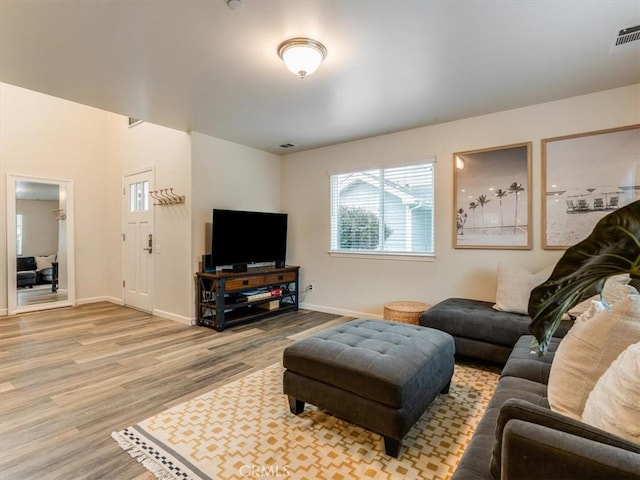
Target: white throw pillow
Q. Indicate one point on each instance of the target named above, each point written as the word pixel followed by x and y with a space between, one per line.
pixel 515 285
pixel 586 352
pixel 595 307
pixel 45 262
pixel 614 403
pixel 615 288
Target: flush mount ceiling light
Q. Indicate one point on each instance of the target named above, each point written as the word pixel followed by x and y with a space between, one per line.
pixel 302 55
pixel 235 5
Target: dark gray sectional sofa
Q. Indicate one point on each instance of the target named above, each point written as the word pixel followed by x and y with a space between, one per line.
pixel 480 331
pixel 519 437
pixel 28 274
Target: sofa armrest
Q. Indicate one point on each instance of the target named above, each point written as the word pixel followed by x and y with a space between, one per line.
pixel 518 409
pixel 532 451
pixel 26 264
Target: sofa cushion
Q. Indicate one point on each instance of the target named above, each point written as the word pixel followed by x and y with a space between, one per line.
pixel 524 364
pixel 587 351
pixel 614 403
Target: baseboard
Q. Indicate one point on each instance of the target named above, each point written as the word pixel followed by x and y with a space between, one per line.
pixel 84 301
pixel 172 316
pixel 339 311
pixel 119 301
pixel 188 321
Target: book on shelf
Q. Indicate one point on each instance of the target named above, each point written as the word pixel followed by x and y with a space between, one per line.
pixel 253 295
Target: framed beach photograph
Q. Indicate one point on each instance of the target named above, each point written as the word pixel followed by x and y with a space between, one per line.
pixel 584 177
pixel 492 189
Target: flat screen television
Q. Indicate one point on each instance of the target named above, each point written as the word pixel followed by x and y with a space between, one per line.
pixel 240 237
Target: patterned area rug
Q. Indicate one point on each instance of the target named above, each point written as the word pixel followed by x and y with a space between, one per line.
pixel 245 430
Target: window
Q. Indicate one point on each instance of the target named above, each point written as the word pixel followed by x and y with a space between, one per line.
pixel 19 234
pixel 385 210
pixel 139 196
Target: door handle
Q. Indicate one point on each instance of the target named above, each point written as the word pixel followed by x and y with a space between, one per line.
pixel 150 243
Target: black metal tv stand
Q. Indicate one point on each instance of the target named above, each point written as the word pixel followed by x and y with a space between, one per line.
pixel 226 298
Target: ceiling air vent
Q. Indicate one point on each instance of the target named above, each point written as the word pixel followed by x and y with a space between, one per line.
pixel 625 38
pixel 287 145
pixel 134 121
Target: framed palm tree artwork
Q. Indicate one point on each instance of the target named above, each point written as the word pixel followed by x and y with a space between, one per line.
pixel 586 176
pixel 493 198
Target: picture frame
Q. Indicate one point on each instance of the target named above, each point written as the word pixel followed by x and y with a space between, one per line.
pixel 584 177
pixel 492 198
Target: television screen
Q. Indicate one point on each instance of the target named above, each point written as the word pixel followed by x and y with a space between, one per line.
pixel 241 237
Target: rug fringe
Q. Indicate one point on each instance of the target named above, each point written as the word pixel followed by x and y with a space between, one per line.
pixel 141 457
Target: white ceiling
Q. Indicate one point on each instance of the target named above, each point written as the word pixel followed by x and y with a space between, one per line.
pixel 391 65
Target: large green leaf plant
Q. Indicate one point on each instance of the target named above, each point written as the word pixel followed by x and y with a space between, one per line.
pixel 612 248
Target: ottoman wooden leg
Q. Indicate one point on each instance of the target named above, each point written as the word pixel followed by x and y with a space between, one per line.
pixel 391 447
pixel 296 406
pixel 446 388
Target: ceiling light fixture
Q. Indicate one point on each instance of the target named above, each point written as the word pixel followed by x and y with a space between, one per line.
pixel 235 5
pixel 302 55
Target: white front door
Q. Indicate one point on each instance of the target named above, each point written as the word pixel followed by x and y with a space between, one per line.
pixel 138 241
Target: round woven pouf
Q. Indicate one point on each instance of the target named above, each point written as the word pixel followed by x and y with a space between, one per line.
pixel 404 311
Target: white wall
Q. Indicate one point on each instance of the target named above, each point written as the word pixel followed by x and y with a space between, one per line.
pixel 232 176
pixel 361 285
pixel 39 227
pixel 168 153
pixel 47 137
pixel 43 136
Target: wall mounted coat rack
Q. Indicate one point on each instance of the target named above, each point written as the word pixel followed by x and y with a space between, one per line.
pixel 60 213
pixel 165 196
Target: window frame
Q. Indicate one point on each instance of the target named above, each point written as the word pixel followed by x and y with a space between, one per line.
pixel 139 197
pixel 381 254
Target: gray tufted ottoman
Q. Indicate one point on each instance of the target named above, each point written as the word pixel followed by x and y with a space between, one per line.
pixel 378 374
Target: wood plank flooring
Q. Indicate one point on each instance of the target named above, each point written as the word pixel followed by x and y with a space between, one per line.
pixel 69 377
pixel 39 294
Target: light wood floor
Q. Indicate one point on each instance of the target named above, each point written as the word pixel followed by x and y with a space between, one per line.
pixel 69 377
pixel 39 294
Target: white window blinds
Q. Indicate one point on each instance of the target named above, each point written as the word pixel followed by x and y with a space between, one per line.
pixel 385 210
